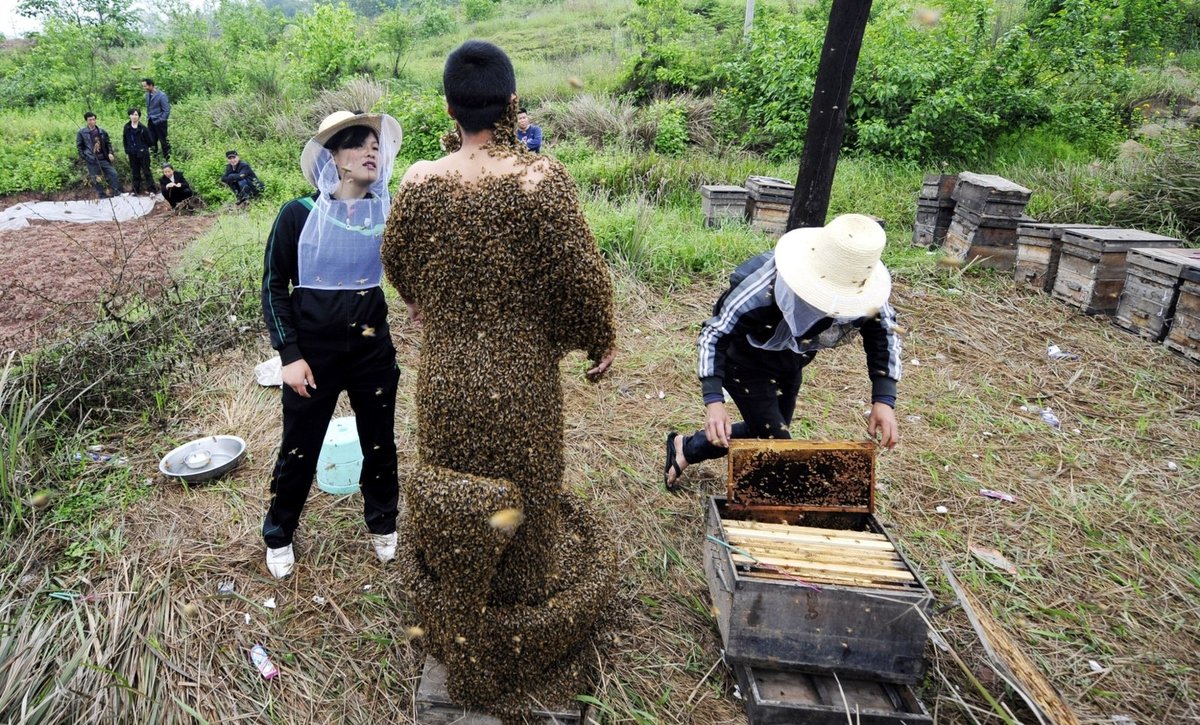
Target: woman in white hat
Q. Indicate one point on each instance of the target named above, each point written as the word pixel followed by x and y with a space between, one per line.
pixel 817 289
pixel 326 313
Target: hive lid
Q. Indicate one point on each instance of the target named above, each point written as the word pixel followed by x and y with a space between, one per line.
pixel 806 475
pixel 1050 230
pixel 1110 239
pixel 722 190
pixel 996 185
pixel 1175 258
pixel 766 186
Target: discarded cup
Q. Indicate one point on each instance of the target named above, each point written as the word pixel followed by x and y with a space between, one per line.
pixel 225 589
pixel 1050 419
pixel 262 662
pixel 1054 352
pixel 998 495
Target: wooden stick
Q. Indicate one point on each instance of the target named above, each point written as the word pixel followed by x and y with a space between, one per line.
pixel 813 530
pixel 801 567
pixel 822 580
pixel 831 556
pixel 884 545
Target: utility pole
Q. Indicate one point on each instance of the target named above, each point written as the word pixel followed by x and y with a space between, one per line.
pixel 749 24
pixel 827 116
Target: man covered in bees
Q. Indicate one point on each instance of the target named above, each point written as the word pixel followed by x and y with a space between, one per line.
pixel 489 248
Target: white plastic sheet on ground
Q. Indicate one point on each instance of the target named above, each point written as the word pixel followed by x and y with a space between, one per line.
pixel 114 209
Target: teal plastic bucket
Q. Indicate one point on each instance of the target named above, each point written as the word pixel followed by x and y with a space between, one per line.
pixel 340 462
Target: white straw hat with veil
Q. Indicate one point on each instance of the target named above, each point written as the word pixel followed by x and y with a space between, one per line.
pixel 339 245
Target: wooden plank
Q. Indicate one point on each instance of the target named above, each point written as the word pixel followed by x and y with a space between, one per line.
pixel 434 706
pixel 857 544
pixel 800 567
pixel 883 560
pixel 879 544
pixel 812 530
pixel 825 580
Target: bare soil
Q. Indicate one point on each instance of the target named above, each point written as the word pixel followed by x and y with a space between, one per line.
pixel 61 274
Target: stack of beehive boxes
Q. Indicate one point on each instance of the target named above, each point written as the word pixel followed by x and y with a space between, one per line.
pixel 721 203
pixel 987 211
pixel 812 595
pixel 768 202
pixel 1091 268
pixel 935 209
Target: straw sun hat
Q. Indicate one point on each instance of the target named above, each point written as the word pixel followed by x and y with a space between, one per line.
pixel 385 127
pixel 836 268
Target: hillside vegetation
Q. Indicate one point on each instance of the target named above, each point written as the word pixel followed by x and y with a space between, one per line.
pixel 1090 103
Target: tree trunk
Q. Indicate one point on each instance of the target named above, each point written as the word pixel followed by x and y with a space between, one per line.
pixel 827 117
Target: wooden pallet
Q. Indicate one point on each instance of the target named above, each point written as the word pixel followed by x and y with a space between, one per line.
pixel 434 707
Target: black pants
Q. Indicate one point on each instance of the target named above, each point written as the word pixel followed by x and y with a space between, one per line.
pixel 766 402
pixel 102 166
pixel 176 195
pixel 139 166
pixel 160 137
pixel 369 378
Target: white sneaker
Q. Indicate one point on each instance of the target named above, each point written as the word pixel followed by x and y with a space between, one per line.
pixel 385 546
pixel 280 561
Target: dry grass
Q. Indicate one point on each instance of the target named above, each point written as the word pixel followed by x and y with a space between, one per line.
pixel 1102 532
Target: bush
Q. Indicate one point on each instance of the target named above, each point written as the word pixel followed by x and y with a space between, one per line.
pixel 327 45
pixel 476 10
pixel 424 120
pixel 671 136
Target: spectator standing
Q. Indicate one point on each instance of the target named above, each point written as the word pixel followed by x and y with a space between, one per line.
pixel 240 178
pixel 95 148
pixel 138 140
pixel 529 134
pixel 175 188
pixel 158 111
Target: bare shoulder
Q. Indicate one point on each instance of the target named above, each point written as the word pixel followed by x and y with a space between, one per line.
pixel 537 171
pixel 418 172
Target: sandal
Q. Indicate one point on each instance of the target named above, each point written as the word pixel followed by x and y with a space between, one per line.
pixel 671 463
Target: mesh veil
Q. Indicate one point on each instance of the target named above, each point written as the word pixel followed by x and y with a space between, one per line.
pixel 339 245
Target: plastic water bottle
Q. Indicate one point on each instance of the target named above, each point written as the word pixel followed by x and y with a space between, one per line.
pixel 1050 419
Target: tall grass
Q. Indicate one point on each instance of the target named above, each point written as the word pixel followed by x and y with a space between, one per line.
pixel 21 413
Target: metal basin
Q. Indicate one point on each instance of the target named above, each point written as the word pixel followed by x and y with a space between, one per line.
pixel 204 458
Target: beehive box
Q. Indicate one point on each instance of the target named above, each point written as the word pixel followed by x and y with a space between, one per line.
pixel 1152 280
pixel 939 187
pixel 1039 245
pixel 780 697
pixel 768 203
pixel 1184 334
pixel 721 203
pixel 802 574
pixel 1091 267
pixel 978 190
pixel 434 707
pixel 932 222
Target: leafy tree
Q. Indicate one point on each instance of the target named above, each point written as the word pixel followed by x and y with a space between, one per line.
pixel 327 45
pixel 395 31
pixel 192 61
pixel 476 10
pixel 109 22
pixel 434 18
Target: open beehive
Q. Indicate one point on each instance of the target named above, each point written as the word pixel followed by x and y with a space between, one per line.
pixel 801 572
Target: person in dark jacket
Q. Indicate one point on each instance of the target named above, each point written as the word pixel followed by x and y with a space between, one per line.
pixel 138 140
pixel 327 317
pixel 158 114
pixel 175 189
pixel 95 148
pixel 819 288
pixel 240 178
pixel 528 133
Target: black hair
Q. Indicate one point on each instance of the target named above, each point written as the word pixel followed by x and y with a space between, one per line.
pixel 168 166
pixel 88 115
pixel 479 83
pixel 352 137
pixel 522 110
pixel 132 111
pixel 148 81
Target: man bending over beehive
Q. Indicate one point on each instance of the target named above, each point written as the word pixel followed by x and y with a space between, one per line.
pixel 489 248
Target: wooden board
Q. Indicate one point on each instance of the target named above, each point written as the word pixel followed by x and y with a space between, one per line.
pixel 434 707
pixel 780 697
pixel 1183 336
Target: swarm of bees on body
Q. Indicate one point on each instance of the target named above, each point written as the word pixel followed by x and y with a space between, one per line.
pixel 508 572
